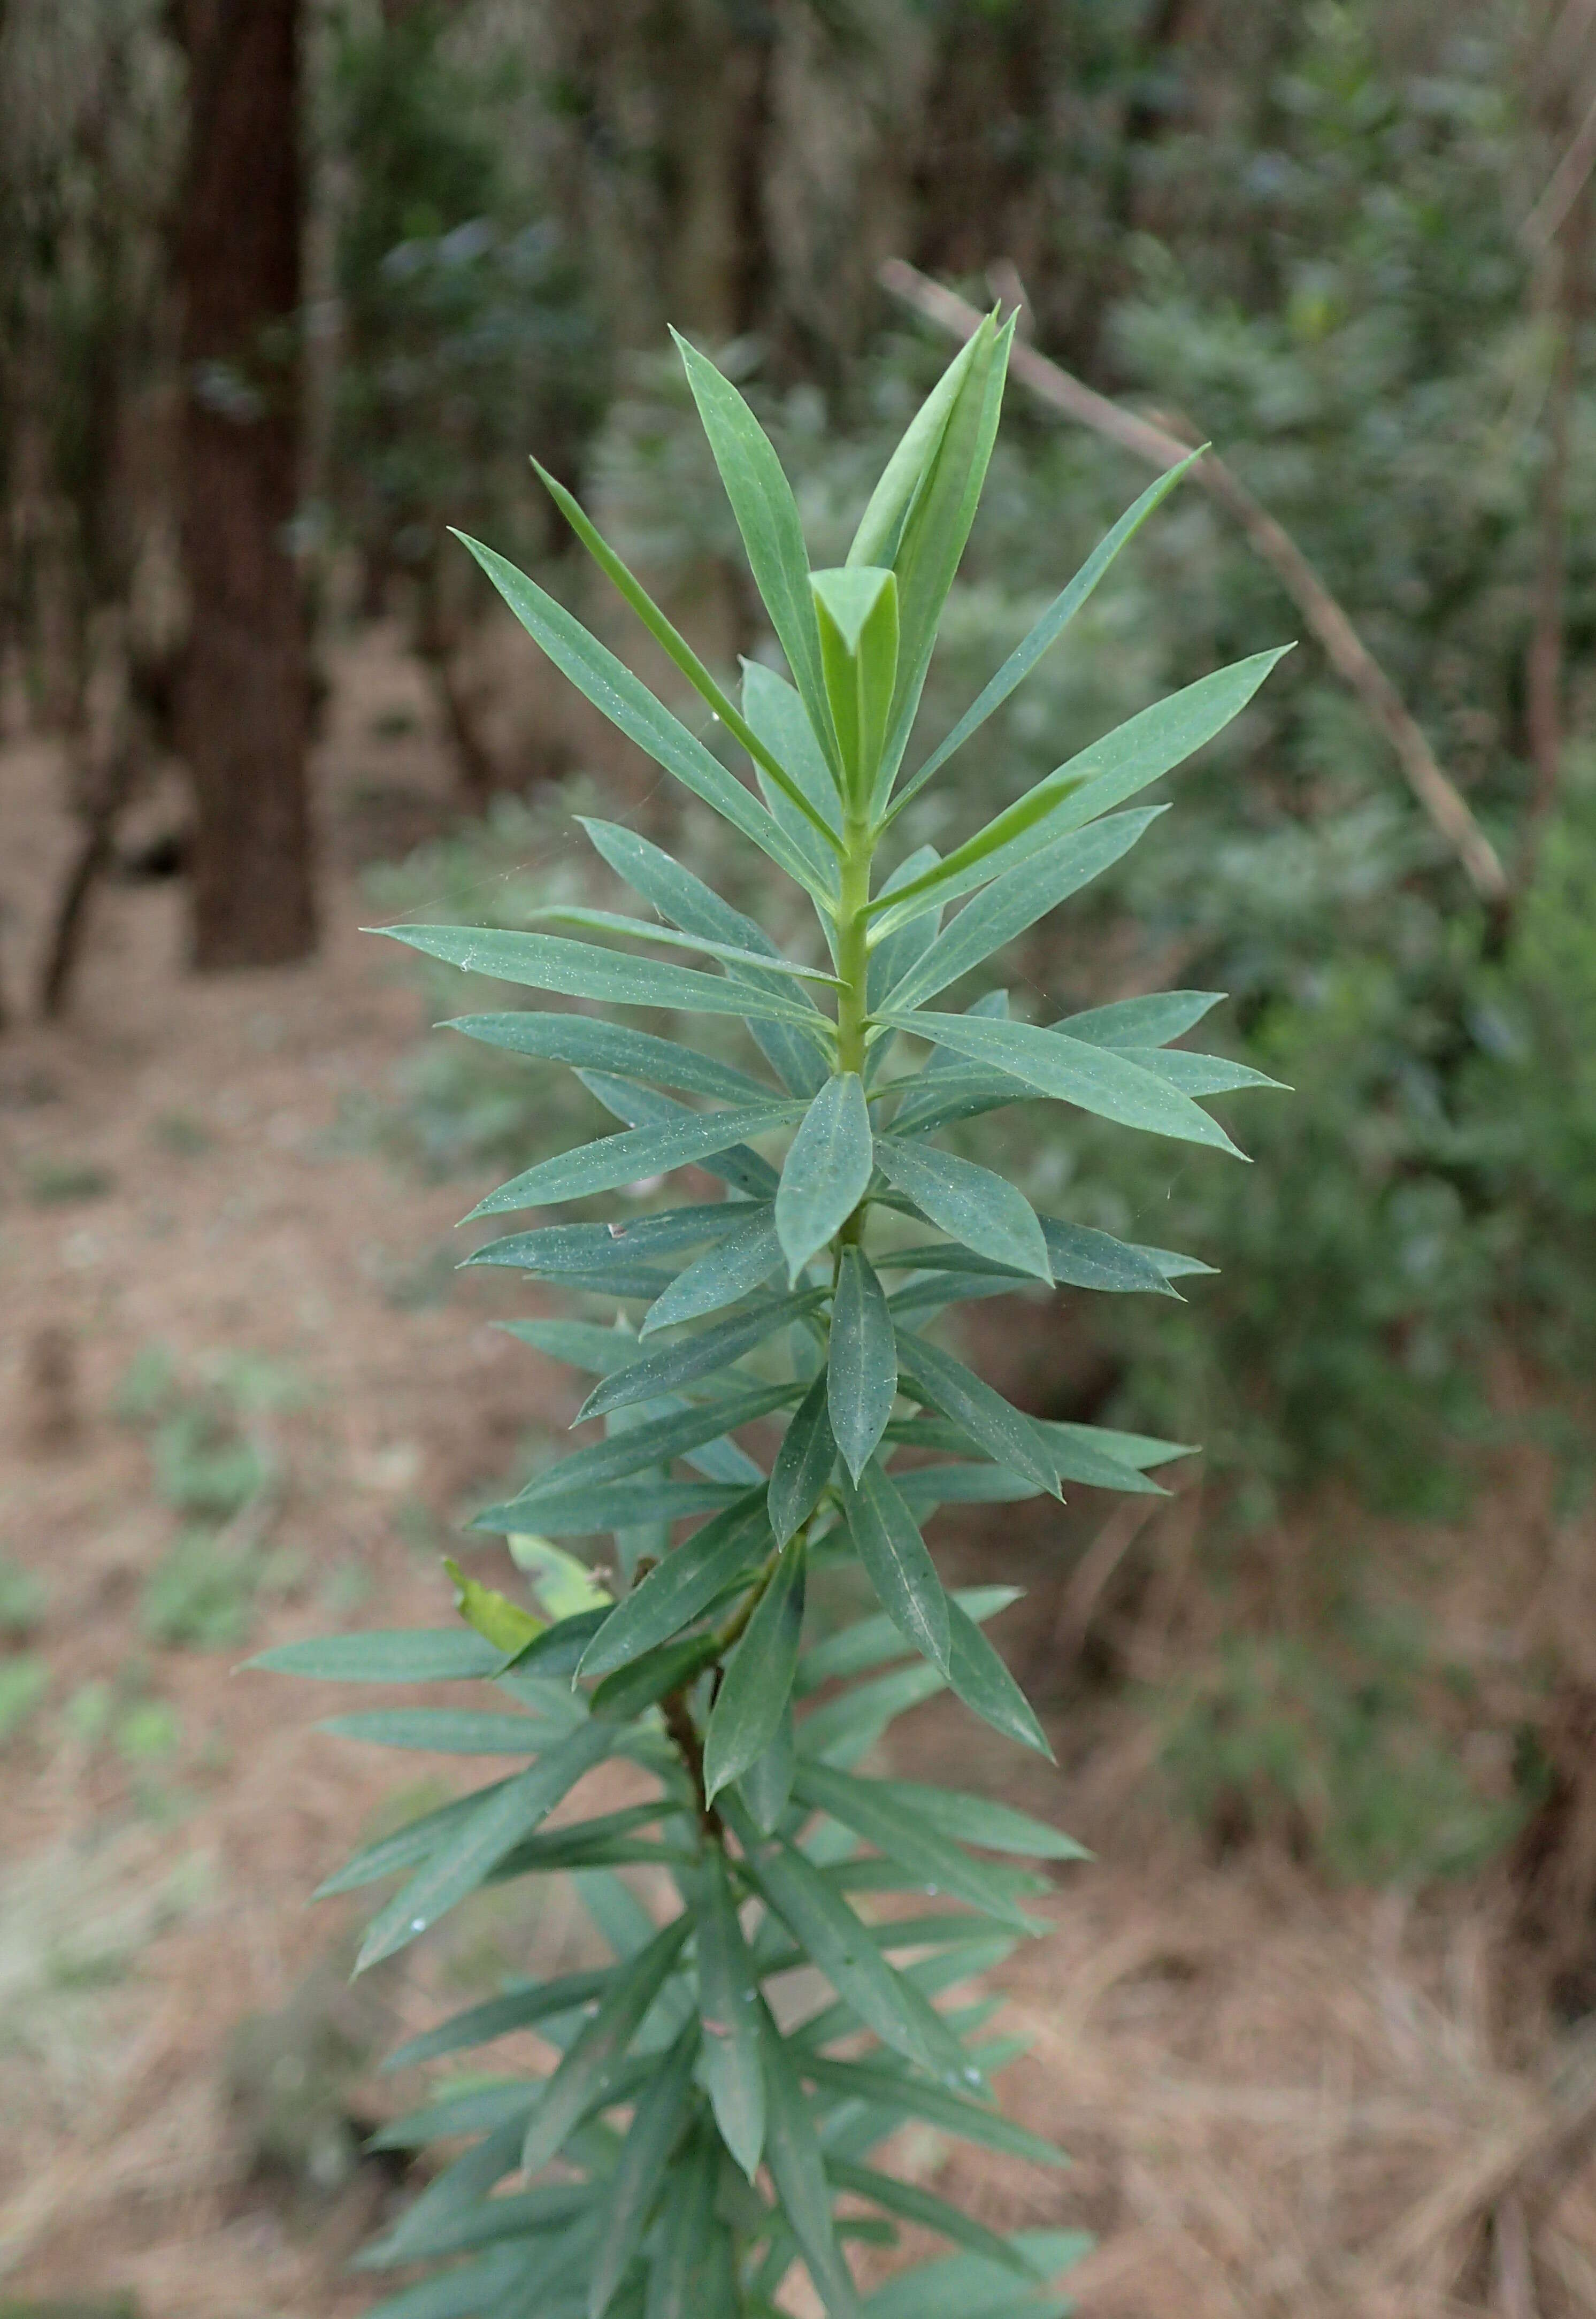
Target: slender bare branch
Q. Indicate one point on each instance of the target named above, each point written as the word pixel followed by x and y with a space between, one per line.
pixel 1342 646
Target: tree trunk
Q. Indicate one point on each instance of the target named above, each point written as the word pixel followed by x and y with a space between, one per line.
pixel 244 709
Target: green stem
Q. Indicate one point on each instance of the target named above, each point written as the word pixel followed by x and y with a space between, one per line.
pixel 853 952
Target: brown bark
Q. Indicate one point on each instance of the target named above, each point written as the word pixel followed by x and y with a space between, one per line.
pixel 245 710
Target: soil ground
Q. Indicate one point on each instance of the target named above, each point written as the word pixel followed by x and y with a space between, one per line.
pixel 1279 2101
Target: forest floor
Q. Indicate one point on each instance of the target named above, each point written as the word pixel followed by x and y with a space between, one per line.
pixel 1279 2099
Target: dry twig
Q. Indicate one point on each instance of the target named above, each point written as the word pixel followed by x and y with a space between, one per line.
pixel 1344 648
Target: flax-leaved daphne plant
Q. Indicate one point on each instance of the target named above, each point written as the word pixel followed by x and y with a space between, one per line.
pixel 701 2131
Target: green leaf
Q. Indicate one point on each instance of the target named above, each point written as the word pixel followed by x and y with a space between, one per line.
pixel 924 1488
pixel 699 1355
pixel 681 1586
pixel 1197 1074
pixel 971 1204
pixel 523 2215
pixel 588 2068
pixel 1113 769
pixel 930 2213
pixel 416 1841
pixel 978 1819
pixel 969 2286
pixel 635 1153
pixel 845 1727
pixel 608 1841
pixel 471 2288
pixel 857 610
pixel 768 519
pixel 557 1652
pixel 766 1786
pixel 896 1562
pixel 385 1654
pixel 1083 1259
pixel 443 1730
pixel 1048 627
pixel 688 902
pixel 778 716
pixel 985 1686
pixel 467 1857
pixel 517 2007
pixel 742 1261
pixel 656 1441
pixel 612 1505
pixel 893 1824
pixel 1097 1079
pixel 691 2274
pixel 578 970
pixel 862 1361
pixel 646 1107
pixel 804 1462
pixel 880 527
pixel 1015 901
pixel 579 1251
pixel 673 643
pixel 826 1928
pixel 879 2083
pixel 629 705
pixel 793 2152
pixel 1148 1022
pixel 613 922
pixel 729 2008
pixel 943 1383
pixel 587 1041
pixel 646 1679
pixel 932 542
pixel 872 1642
pixel 640 2171
pixel 826 1172
pixel 757 1682
pixel 1138 1449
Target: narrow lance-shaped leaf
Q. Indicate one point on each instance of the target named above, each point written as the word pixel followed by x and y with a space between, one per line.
pixel 974 1207
pixel 1002 1431
pixel 578 970
pixel 728 2002
pixel 862 1362
pixel 1017 900
pixel 757 1681
pixel 804 1462
pixel 897 1563
pixel 588 2067
pixel 880 527
pixel 1048 627
pixel 678 648
pixel 701 1355
pixel 689 903
pixel 465 1859
pixel 640 2169
pixel 629 929
pixel 636 1152
pixel 681 1586
pixel 768 519
pixel 629 705
pixel 1097 1079
pixel 1113 769
pixel 826 1172
pixel 742 1261
pixel 586 1040
pixel 792 2151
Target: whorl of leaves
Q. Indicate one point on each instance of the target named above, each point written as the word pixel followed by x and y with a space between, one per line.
pixel 693 2139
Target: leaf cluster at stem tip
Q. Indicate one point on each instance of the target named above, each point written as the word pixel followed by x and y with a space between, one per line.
pixel 770 1401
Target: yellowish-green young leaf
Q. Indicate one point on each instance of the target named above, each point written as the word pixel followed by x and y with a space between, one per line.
pixel 857 609
pixel 565 1586
pixel 504 1623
